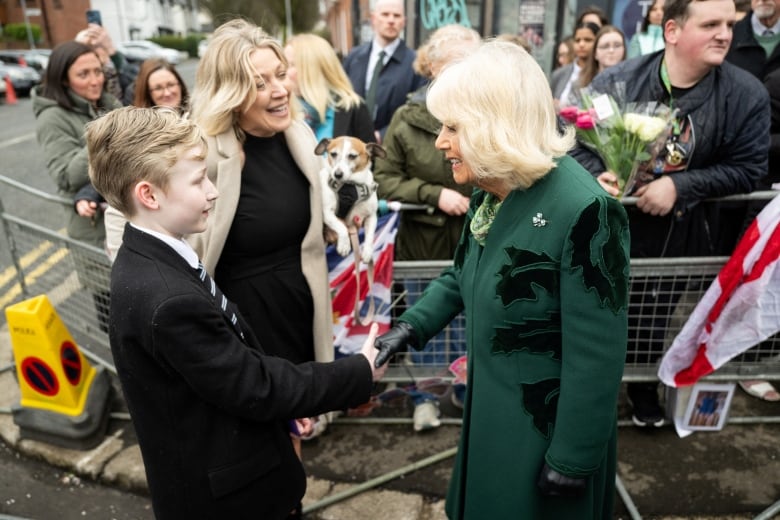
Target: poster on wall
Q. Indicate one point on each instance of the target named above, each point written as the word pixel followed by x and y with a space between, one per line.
pixel 628 15
pixel 531 22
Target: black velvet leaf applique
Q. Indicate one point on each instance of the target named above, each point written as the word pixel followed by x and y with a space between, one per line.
pixel 540 401
pixel 606 276
pixel 525 271
pixel 537 336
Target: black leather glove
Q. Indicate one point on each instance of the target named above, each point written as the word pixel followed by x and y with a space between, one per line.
pixel 393 341
pixel 553 484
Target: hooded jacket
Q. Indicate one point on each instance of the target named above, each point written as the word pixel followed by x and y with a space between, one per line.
pixel 60 134
pixel 415 172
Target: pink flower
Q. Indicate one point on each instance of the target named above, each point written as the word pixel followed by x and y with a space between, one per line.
pixel 569 113
pixel 585 122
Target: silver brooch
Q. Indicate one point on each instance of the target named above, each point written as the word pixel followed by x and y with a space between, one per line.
pixel 539 220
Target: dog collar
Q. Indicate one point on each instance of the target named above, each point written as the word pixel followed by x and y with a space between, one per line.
pixel 363 191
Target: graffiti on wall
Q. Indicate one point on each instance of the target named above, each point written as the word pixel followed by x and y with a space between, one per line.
pixel 437 13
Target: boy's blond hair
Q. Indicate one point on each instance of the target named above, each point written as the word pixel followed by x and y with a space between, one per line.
pixel 133 144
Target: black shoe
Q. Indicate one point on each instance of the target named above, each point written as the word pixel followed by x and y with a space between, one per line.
pixel 647 411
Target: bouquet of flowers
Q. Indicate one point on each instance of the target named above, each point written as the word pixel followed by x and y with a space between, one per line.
pixel 623 135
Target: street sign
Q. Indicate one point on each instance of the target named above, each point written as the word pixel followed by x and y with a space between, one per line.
pixel 32 11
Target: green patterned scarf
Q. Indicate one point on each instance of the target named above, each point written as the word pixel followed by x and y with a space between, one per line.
pixel 484 217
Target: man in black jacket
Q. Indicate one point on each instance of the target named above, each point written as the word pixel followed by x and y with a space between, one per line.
pixel 754 46
pixel 717 146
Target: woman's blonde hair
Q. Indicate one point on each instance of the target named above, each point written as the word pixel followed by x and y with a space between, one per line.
pixel 225 82
pixel 507 128
pixel 322 81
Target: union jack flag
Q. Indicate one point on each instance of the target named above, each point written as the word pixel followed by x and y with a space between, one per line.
pixel 348 335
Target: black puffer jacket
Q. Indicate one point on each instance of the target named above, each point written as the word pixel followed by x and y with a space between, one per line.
pixel 728 111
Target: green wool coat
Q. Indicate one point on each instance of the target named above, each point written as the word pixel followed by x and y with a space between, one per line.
pixel 546 328
pixel 60 134
pixel 415 172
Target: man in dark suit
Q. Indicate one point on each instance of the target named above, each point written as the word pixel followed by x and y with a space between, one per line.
pixel 212 412
pixel 395 78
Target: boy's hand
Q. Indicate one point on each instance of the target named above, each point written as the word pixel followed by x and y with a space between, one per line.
pixel 301 427
pixel 370 352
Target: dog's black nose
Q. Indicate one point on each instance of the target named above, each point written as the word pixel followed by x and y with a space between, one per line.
pixel 338 174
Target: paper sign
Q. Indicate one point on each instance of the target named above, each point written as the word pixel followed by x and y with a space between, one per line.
pixel 603 107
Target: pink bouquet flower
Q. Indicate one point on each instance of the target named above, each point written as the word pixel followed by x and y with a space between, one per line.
pixel 621 137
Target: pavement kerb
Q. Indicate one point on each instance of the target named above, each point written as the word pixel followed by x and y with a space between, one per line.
pixel 116 464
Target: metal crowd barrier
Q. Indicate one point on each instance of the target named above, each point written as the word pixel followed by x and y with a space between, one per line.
pixel 46 262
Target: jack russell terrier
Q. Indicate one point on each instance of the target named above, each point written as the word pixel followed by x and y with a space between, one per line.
pixel 349 190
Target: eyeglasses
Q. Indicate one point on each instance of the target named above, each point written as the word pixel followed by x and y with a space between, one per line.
pixel 159 89
pixel 608 46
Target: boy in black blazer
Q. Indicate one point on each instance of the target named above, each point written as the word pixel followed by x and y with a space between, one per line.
pixel 211 411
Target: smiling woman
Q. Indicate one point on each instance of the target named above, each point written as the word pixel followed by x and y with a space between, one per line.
pixel 72 94
pixel 159 84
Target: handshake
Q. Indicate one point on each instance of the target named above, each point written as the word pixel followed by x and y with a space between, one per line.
pixel 379 350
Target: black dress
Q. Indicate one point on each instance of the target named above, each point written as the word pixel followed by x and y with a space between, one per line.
pixel 260 266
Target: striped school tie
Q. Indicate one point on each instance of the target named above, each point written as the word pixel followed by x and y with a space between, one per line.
pixel 220 298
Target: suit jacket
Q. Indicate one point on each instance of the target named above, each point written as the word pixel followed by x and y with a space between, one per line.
pixel 211 411
pixel 396 80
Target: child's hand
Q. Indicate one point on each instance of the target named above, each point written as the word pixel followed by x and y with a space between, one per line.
pixel 370 352
pixel 86 208
pixel 301 427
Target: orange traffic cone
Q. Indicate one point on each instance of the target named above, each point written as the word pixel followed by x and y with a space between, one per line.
pixel 10 94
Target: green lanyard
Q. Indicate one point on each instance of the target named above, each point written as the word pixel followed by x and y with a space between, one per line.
pixel 668 84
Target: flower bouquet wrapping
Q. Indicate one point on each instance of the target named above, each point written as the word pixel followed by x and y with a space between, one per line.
pixel 625 135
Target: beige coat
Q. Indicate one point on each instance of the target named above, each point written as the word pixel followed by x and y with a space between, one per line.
pixel 225 161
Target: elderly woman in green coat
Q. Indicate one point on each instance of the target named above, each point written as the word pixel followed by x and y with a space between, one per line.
pixel 542 273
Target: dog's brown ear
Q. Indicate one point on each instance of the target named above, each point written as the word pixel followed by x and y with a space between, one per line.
pixel 376 150
pixel 322 146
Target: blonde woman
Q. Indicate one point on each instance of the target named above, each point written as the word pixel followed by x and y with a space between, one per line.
pixel 331 106
pixel 541 272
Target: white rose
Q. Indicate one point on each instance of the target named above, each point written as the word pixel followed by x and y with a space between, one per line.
pixel 651 128
pixel 648 128
pixel 632 122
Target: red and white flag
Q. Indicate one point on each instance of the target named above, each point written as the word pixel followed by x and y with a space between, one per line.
pixel 349 335
pixel 739 310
